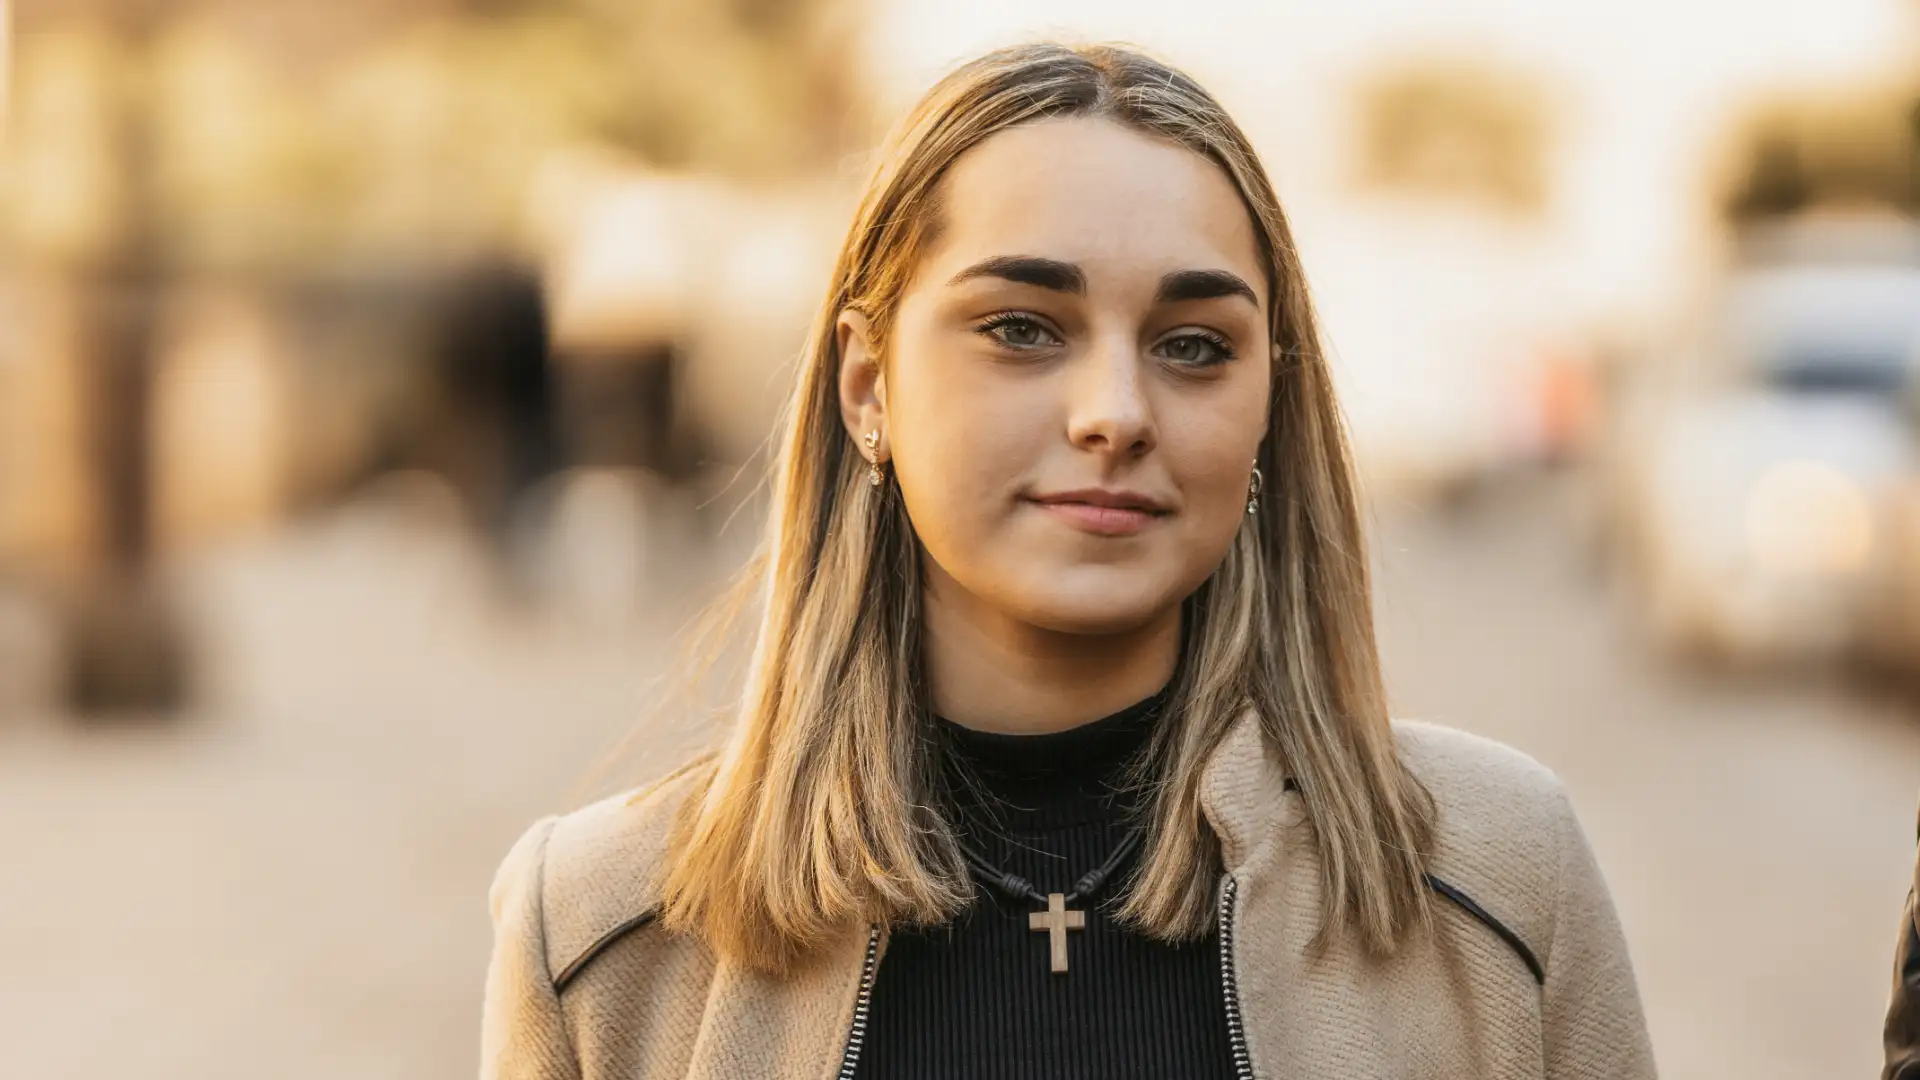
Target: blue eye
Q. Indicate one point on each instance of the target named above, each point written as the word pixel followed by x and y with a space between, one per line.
pixel 1197 349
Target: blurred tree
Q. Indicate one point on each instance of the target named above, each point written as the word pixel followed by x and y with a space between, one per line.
pixel 1808 148
pixel 124 647
pixel 1775 182
pixel 308 128
pixel 1455 128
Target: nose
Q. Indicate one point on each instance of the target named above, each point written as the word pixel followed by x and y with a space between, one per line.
pixel 1107 407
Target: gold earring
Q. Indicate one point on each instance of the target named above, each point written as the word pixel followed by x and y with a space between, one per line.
pixel 874 476
pixel 1253 490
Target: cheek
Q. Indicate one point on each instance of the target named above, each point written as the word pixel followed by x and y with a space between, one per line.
pixel 1211 457
pixel 963 443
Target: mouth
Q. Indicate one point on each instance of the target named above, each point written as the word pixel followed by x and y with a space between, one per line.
pixel 1103 511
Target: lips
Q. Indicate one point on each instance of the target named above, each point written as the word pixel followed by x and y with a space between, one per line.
pixel 1103 512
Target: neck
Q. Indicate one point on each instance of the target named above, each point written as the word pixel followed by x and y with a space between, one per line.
pixel 992 672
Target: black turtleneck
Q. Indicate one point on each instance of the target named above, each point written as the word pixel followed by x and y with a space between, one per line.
pixel 974 998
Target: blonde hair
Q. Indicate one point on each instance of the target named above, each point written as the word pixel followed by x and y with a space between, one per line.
pixel 821 810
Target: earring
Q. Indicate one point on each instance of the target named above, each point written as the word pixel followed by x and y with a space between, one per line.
pixel 1253 490
pixel 872 440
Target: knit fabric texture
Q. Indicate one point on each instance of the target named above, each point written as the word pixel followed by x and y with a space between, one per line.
pixel 583 985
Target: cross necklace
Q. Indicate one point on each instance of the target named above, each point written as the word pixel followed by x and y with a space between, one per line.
pixel 1056 920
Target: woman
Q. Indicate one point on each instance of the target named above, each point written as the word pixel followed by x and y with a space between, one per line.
pixel 1063 750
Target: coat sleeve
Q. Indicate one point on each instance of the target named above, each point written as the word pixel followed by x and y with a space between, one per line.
pixel 1593 1025
pixel 523 1034
pixel 1901 1035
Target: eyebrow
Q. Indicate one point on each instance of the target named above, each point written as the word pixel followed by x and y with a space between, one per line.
pixel 1182 285
pixel 1052 274
pixel 1027 270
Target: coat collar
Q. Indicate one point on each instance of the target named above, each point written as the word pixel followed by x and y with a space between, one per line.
pixel 1244 792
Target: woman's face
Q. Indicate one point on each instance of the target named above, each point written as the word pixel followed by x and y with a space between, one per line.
pixel 1077 378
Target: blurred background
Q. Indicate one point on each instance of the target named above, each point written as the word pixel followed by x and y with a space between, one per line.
pixel 384 385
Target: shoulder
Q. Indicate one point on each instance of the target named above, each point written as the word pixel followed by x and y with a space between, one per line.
pixel 594 874
pixel 1481 777
pixel 1504 827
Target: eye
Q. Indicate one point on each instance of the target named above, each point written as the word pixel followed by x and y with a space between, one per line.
pixel 1196 348
pixel 1017 331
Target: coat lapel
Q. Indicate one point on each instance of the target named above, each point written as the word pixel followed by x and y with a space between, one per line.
pixel 1243 792
pixel 1319 1012
pixel 759 1027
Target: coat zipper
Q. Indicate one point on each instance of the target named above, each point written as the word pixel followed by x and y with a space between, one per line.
pixel 1236 1028
pixel 850 1057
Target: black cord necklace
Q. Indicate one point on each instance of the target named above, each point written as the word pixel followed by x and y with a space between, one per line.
pixel 1056 920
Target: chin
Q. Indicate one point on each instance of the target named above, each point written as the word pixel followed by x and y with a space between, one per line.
pixel 1097 607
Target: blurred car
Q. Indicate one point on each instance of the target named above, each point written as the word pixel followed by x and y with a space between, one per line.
pixel 1755 479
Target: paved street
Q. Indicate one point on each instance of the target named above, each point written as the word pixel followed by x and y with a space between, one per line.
pixel 291 883
pixel 1758 835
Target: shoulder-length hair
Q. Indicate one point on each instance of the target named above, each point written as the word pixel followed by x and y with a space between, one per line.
pixel 821 810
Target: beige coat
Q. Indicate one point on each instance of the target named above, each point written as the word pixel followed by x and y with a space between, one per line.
pixel 585 986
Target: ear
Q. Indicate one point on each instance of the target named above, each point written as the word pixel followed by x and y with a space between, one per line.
pixel 863 404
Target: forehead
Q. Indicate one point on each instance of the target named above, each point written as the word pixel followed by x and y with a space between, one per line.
pixel 1115 201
